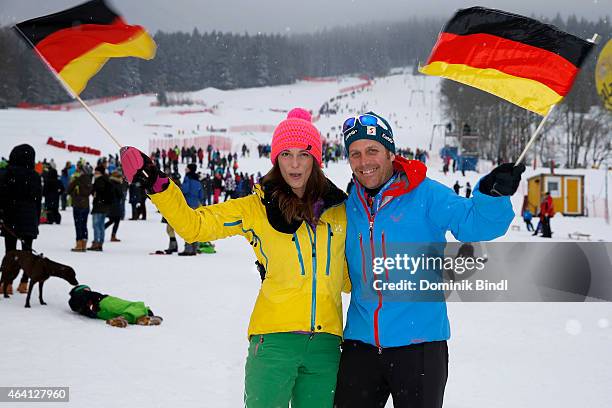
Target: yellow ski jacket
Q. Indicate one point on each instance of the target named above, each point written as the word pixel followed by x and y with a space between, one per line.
pixel 306 269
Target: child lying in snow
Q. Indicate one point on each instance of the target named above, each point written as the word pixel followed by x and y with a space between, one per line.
pixel 117 312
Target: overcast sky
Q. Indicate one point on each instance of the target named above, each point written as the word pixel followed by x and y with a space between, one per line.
pixel 287 16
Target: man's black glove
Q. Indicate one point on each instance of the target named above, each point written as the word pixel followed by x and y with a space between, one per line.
pixel 502 181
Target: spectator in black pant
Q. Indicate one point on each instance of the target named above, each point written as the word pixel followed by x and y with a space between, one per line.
pixel 207 188
pixel 547 211
pixel 65 179
pixel 80 189
pixel 20 202
pixel 425 368
pixel 103 197
pixel 114 215
pixel 52 190
pixel 124 191
pixel 137 200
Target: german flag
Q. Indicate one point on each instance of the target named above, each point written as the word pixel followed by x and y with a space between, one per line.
pixel 77 42
pixel 528 63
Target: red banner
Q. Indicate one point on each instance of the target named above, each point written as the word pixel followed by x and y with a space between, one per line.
pixel 73 148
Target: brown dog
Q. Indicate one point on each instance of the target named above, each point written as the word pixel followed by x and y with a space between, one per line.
pixel 37 268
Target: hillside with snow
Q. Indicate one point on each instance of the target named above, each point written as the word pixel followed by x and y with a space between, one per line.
pixel 411 103
pixel 502 355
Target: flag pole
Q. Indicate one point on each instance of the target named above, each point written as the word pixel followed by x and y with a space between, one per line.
pixel 67 88
pixel 534 136
pixel 95 117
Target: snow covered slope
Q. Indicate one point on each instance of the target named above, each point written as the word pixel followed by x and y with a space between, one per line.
pixel 501 354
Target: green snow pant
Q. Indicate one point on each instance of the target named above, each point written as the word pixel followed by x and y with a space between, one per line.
pixel 300 368
pixel 111 307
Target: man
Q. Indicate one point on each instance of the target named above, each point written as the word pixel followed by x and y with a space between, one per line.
pixel 80 189
pixel 66 173
pixel 53 189
pixel 399 347
pixel 20 199
pixel 138 198
pixel 103 197
pixel 456 187
pixel 114 212
pixel 194 195
pixel 20 203
pixel 547 211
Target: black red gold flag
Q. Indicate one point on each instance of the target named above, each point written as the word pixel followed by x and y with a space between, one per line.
pixel 522 60
pixel 77 42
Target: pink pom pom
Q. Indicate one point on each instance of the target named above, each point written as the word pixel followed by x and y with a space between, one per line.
pixel 299 113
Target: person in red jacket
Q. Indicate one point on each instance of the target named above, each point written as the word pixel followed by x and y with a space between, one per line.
pixel 200 156
pixel 547 211
pixel 173 159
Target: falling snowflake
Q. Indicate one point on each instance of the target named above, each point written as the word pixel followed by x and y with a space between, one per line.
pixel 573 327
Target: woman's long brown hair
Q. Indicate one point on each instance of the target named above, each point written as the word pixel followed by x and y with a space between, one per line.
pixel 291 206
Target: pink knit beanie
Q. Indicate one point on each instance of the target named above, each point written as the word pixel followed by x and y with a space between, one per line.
pixel 297 131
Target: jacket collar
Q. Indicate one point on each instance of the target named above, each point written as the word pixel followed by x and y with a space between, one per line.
pixel 334 197
pixel 410 173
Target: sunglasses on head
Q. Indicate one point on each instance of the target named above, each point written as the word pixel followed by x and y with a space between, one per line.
pixel 365 120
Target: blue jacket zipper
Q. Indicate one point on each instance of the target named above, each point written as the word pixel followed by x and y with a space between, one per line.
pixel 299 252
pixel 313 307
pixel 329 235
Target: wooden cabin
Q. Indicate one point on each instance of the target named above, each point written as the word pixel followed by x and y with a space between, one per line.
pixel 566 190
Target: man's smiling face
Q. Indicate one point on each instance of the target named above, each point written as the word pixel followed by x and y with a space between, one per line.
pixel 371 163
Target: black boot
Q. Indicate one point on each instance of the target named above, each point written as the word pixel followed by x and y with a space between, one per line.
pixel 189 250
pixel 172 247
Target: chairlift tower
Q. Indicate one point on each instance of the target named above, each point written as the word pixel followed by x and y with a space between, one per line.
pixel 463 147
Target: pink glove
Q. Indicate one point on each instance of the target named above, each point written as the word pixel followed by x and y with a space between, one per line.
pixel 137 166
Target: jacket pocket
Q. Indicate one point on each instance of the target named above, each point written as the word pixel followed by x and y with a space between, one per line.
pixel 255 345
pixel 258 345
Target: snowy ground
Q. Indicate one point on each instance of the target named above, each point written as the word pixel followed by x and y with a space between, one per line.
pixel 501 354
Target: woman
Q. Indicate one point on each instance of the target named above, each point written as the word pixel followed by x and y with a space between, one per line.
pixel 296 223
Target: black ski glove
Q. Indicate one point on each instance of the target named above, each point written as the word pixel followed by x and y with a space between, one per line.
pixel 502 181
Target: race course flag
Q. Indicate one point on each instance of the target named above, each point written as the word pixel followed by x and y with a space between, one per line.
pixel 77 42
pixel 528 63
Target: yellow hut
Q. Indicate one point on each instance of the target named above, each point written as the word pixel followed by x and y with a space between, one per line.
pixel 566 190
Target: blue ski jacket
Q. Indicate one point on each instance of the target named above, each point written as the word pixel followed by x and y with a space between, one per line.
pixel 410 210
pixel 193 192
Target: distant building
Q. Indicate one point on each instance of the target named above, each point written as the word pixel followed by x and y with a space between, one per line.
pixel 566 190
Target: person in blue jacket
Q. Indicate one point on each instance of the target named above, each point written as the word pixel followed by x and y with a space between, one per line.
pixel 194 195
pixel 393 346
pixel 527 217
